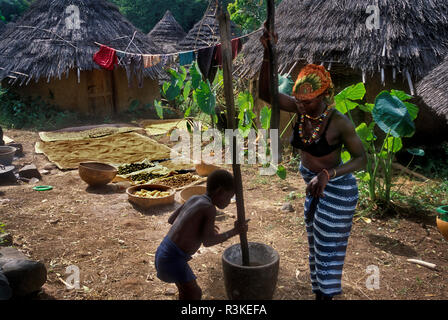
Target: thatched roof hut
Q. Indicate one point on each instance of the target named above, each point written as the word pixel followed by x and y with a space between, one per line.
pixel 167 33
pixel 205 32
pixel 53 44
pixel 434 89
pixel 412 35
pixel 411 39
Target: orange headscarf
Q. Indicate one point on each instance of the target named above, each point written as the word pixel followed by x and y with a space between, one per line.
pixel 312 81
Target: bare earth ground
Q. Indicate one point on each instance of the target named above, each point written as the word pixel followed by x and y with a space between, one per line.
pixel 113 243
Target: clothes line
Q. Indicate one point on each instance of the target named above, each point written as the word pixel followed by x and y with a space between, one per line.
pixel 175 53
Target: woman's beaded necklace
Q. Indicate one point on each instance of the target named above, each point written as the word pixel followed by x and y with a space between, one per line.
pixel 316 130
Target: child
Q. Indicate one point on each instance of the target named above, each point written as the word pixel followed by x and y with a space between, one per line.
pixel 193 225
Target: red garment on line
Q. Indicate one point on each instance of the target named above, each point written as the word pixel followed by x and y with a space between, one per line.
pixel 106 58
pixel 236 48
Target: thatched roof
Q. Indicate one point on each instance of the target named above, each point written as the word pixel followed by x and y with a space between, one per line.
pixel 2 26
pixel 167 33
pixel 26 48
pixel 413 35
pixel 434 89
pixel 205 32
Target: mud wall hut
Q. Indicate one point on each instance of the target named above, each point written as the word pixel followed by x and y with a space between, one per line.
pixel 48 53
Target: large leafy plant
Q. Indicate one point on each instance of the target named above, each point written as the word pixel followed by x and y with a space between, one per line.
pixel 394 115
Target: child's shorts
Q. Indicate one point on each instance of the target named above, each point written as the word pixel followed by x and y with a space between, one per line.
pixel 171 263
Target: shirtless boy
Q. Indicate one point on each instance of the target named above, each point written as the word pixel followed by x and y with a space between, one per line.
pixel 193 224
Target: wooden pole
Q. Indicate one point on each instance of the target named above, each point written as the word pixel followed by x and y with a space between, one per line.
pixel 273 73
pixel 226 50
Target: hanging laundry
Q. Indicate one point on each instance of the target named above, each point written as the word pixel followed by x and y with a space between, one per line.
pixel 186 58
pixel 205 60
pixel 106 58
pixel 148 60
pixel 134 67
pixel 236 48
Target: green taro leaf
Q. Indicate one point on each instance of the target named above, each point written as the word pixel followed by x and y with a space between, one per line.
pixel 205 98
pixel 403 96
pixel 344 100
pixel 196 75
pixel 392 116
pixel 187 90
pixel 416 152
pixel 365 132
pixel 344 105
pixel 182 74
pixel 173 92
pixel 159 109
pixel 265 117
pixel 412 109
pixel 345 156
pixel 281 172
pixel 245 101
pixel 187 112
pixel 368 107
pixel 393 144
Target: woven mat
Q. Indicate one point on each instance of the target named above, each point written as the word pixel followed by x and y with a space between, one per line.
pixel 113 149
pixel 81 133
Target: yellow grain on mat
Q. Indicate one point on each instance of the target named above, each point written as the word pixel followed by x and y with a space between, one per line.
pixel 100 131
pixel 155 128
pixel 113 149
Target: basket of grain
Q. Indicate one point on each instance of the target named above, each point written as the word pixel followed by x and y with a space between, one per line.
pixel 150 195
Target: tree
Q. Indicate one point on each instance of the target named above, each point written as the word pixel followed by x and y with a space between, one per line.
pixel 10 10
pixel 248 14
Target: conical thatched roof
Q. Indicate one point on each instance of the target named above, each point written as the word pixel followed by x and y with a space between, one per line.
pixel 167 33
pixel 205 32
pixel 434 89
pixel 413 35
pixel 26 48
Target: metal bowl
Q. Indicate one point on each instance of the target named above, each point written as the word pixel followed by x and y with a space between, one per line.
pixel 149 202
pixel 96 173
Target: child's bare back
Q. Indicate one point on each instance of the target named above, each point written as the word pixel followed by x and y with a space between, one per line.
pixel 189 223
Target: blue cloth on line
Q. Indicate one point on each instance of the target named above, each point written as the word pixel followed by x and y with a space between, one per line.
pixel 186 58
pixel 328 225
pixel 171 263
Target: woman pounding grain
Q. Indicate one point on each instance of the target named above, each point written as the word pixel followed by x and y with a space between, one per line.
pixel 332 191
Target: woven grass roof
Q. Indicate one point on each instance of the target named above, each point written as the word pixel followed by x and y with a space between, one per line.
pixel 413 35
pixel 42 44
pixel 167 33
pixel 434 89
pixel 205 32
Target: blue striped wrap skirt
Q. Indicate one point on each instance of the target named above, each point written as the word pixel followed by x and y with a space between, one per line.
pixel 328 225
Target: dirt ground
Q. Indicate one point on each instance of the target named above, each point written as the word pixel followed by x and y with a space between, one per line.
pixel 113 243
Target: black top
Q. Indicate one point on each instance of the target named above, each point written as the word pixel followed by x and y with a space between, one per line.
pixel 318 148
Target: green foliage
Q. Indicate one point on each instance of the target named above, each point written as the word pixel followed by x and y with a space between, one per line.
pixel 249 14
pixel 391 113
pixel 193 95
pixel 11 10
pixel 18 112
pixel 246 115
pixel 145 14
